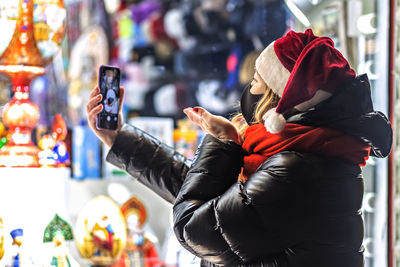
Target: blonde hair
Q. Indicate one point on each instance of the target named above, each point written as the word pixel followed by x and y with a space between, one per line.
pixel 268 101
pixel 246 71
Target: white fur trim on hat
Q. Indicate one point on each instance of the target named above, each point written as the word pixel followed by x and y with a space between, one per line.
pixel 271 70
pixel 273 121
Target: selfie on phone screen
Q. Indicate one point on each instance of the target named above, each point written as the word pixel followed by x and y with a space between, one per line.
pixel 109 79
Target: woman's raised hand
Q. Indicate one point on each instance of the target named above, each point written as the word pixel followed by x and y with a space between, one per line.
pixel 93 108
pixel 216 126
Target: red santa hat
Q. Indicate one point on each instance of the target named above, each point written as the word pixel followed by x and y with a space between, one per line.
pixel 303 70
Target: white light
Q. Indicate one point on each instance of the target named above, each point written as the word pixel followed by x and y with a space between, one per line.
pixel 365 23
pixel 118 192
pixel 112 5
pixel 298 14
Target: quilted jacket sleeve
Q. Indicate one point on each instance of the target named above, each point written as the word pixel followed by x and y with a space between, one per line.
pixel 155 164
pixel 229 223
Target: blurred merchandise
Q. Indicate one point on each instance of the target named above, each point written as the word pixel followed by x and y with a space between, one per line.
pixel 59 132
pixel 54 152
pixel 61 150
pixel 3 141
pixel 59 128
pixel 39 94
pixel 57 232
pixel 47 157
pixel 109 171
pixel 100 231
pixel 214 98
pixel 163 95
pixel 140 250
pixel 186 138
pixel 136 84
pixel 83 68
pixel 17 255
pixel 178 256
pixel 1 238
pixel 160 128
pixel 31 197
pixel 5 90
pixel 175 28
pixel 3 135
pixel 34 34
pixel 2 129
pixel 86 160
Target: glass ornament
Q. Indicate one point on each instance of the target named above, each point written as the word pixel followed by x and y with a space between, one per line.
pixel 33 32
pixel 100 231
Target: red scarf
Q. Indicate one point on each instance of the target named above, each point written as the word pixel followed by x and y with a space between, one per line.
pixel 260 144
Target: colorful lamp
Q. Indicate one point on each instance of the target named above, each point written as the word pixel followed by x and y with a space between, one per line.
pixel 38 28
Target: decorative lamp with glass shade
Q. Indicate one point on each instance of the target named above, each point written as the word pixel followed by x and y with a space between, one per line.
pixel 33 32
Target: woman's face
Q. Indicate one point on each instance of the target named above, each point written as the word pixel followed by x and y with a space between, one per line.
pixel 258 86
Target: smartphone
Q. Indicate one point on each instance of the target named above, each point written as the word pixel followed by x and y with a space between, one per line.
pixel 109 81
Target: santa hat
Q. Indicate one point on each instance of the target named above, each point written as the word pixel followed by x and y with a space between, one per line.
pixel 303 70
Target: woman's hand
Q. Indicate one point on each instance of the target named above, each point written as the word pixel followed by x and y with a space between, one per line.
pixel 217 126
pixel 93 108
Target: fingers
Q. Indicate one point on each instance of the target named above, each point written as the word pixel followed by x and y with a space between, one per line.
pixel 205 117
pixel 93 102
pixel 203 113
pixel 192 115
pixel 197 112
pixel 94 92
pixel 200 116
pixel 92 114
pixel 94 98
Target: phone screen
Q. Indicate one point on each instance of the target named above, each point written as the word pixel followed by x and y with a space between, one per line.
pixel 109 79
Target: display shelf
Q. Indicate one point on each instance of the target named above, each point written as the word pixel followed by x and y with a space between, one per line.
pixel 120 189
pixel 29 199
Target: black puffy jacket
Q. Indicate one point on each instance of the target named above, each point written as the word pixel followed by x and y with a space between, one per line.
pixel 297 209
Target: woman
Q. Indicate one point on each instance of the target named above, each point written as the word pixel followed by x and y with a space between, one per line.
pixel 281 187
